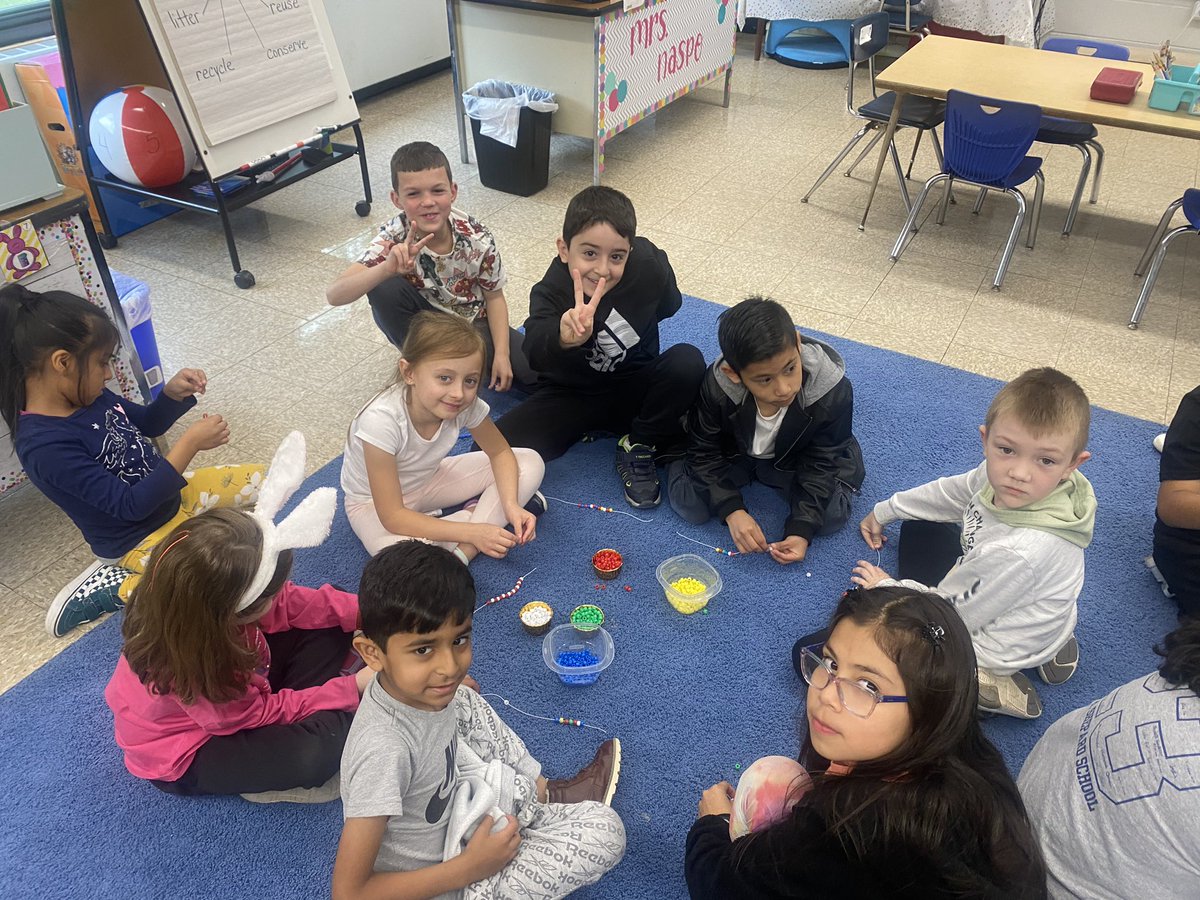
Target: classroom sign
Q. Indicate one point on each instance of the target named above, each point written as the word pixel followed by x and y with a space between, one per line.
pixel 247 64
pixel 655 54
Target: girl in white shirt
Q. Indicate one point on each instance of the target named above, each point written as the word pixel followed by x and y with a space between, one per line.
pixel 396 472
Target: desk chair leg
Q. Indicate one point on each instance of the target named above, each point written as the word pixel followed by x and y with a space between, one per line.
pixel 862 155
pixel 1013 235
pixel 979 201
pixel 900 175
pixel 1159 230
pixel 1098 154
pixel 910 224
pixel 945 204
pixel 837 160
pixel 1084 171
pixel 913 158
pixel 1152 276
pixel 1038 192
pixel 941 160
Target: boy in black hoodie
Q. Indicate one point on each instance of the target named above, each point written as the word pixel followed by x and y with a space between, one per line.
pixel 592 335
pixel 777 407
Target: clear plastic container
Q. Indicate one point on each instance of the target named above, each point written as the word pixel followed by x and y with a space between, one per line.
pixel 564 645
pixel 689 565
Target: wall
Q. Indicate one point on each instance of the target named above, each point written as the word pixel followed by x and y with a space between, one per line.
pixel 1133 22
pixel 382 39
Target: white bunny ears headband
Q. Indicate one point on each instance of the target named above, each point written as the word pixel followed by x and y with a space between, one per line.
pixel 305 526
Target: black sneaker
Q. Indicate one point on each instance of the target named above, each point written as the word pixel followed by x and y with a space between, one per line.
pixel 1064 664
pixel 536 504
pixel 638 474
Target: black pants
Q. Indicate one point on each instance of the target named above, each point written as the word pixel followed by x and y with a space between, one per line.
pixel 279 757
pixel 1182 572
pixel 649 405
pixel 396 301
pixel 928 551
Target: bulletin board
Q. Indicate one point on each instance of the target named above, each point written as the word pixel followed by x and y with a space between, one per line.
pixel 252 76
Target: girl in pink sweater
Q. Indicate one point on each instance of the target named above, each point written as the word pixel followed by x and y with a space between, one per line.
pixel 229 681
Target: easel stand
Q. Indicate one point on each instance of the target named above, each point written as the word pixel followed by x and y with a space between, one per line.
pixel 105 46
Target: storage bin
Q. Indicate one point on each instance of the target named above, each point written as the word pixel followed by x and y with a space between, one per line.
pixel 1171 94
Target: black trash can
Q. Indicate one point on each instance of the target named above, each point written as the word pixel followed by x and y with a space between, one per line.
pixel 523 169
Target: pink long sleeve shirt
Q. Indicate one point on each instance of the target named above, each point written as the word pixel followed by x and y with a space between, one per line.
pixel 160 734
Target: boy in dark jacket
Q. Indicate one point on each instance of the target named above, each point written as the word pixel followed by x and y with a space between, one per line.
pixel 592 335
pixel 777 407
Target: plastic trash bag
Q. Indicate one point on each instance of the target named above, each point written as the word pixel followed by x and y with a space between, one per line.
pixel 497 106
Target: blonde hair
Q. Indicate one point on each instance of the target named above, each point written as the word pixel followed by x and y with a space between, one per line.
pixel 438 335
pixel 1046 402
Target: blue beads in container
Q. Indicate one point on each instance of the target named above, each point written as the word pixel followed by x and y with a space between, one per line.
pixel 577 658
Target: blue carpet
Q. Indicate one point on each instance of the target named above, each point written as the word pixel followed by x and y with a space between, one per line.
pixel 692 698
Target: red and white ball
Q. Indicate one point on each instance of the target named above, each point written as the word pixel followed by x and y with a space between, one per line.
pixel 139 135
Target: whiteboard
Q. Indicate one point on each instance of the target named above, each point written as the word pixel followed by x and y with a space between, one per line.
pixel 253 77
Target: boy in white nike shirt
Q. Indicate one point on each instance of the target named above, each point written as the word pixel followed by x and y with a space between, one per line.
pixel 1010 554
pixel 441 799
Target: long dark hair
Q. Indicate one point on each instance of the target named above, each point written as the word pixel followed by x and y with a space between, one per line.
pixel 1180 651
pixel 183 634
pixel 944 794
pixel 32 326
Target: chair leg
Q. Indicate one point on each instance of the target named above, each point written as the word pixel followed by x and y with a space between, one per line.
pixel 937 152
pixel 1036 220
pixel 900 175
pixel 837 160
pixel 1098 155
pixel 878 136
pixel 910 223
pixel 1084 171
pixel 941 216
pixel 1013 235
pixel 913 158
pixel 1159 230
pixel 1152 275
pixel 979 201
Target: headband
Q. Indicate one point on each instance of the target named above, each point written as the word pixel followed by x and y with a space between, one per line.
pixel 305 526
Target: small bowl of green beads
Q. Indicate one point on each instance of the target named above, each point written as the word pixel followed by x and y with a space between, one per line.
pixel 689 582
pixel 587 617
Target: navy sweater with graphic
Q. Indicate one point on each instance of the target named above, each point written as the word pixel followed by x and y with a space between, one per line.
pixel 99 467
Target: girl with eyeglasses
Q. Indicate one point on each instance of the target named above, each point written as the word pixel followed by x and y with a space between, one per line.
pixel 897 792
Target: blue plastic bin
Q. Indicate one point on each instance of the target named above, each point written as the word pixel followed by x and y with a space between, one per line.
pixel 1179 90
pixel 135 303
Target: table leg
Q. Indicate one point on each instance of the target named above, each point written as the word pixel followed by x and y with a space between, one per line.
pixel 760 31
pixel 459 109
pixel 728 85
pixel 884 150
pixel 597 159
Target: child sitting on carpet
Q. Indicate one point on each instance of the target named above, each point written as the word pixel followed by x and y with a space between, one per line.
pixel 439 794
pixel 431 256
pixel 1176 558
pixel 88 449
pixel 397 473
pixel 228 682
pixel 777 407
pixel 899 795
pixel 592 333
pixel 1005 541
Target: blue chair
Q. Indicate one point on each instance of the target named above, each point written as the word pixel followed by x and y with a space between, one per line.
pixel 869 35
pixel 1080 135
pixel 987 149
pixel 904 15
pixel 1190 201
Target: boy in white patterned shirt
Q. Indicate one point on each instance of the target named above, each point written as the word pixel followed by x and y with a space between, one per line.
pixel 447 262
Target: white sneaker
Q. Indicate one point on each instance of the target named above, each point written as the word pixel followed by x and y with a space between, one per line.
pixel 1008 695
pixel 1158 576
pixel 1159 441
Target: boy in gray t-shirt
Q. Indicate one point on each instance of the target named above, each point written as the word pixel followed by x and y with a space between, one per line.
pixel 440 797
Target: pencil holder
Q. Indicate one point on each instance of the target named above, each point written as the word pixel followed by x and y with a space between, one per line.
pixel 1171 94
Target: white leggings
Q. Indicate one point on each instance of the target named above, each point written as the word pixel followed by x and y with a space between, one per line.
pixel 457 480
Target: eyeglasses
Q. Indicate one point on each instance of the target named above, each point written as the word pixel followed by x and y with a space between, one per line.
pixel 856 697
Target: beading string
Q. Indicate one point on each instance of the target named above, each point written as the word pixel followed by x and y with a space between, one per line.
pixel 710 546
pixel 516 587
pixel 605 509
pixel 562 720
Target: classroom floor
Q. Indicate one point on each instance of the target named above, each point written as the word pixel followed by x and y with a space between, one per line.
pixel 719 190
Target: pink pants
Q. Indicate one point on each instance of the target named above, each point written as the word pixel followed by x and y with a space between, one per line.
pixel 457 480
pixel 766 793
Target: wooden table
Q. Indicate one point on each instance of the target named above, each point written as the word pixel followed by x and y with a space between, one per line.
pixel 1057 82
pixel 608 68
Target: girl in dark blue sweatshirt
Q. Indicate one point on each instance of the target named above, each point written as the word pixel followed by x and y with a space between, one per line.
pixel 88 449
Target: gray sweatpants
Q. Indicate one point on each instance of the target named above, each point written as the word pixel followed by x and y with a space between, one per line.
pixel 564 846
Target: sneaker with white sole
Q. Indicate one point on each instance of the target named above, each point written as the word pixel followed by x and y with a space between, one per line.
pixel 1064 664
pixel 91 594
pixel 1159 441
pixel 1008 695
pixel 325 793
pixel 1158 576
pixel 537 504
pixel 638 474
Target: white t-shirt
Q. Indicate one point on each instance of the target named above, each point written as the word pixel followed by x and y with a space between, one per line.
pixel 384 423
pixel 766 429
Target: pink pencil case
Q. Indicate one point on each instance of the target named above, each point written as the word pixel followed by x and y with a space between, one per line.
pixel 1116 85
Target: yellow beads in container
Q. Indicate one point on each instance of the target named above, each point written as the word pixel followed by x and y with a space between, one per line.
pixel 685 597
pixel 688 582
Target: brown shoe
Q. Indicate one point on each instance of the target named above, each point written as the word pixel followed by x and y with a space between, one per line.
pixel 595 781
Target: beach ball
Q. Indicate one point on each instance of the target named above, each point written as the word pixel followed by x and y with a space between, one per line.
pixel 139 136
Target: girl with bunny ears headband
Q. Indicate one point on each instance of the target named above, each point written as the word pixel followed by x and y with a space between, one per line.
pixel 219 645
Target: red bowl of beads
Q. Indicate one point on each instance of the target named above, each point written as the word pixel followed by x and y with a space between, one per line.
pixel 607 563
